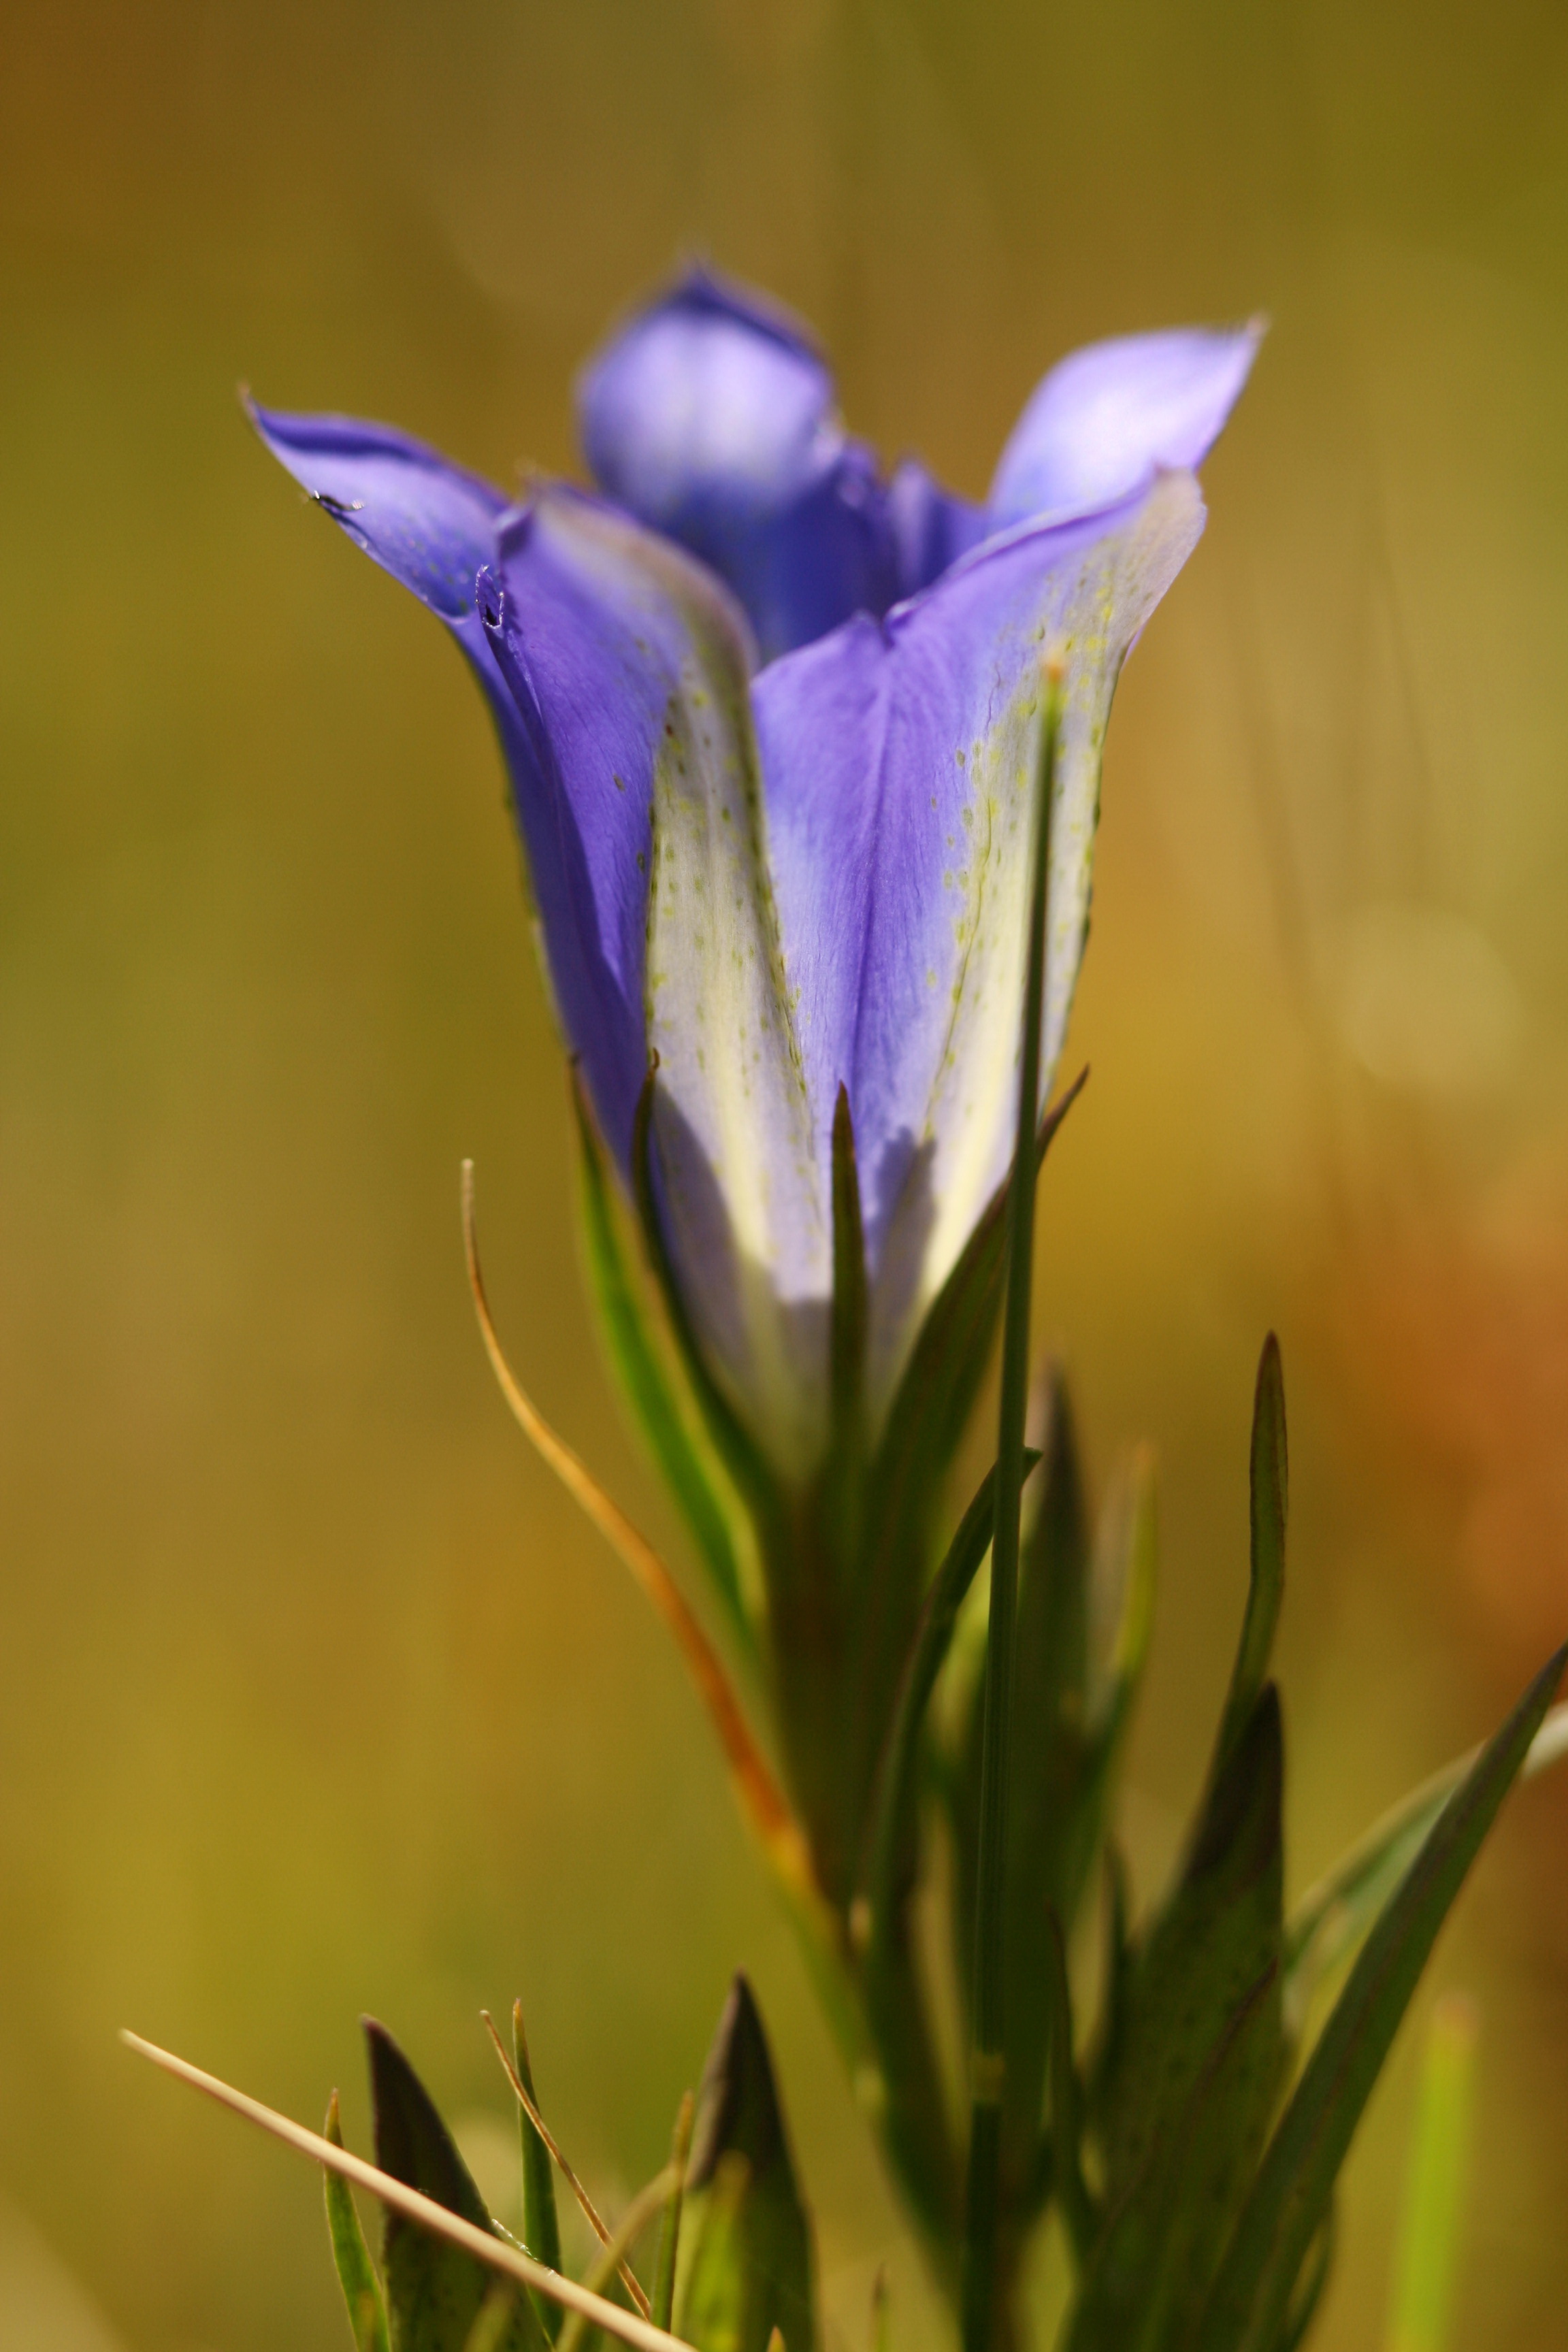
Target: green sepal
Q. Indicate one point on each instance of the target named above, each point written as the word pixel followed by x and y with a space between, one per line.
pixel 435 2292
pixel 914 2120
pixel 1270 1500
pixel 1248 2308
pixel 1048 1769
pixel 911 1455
pixel 1162 2241
pixel 736 1448
pixel 637 1356
pixel 1217 1937
pixel 356 2272
pixel 947 1364
pixel 851 1309
pixel 888 1868
pixel 754 2267
pixel 541 2222
pixel 1082 1648
pixel 1081 1642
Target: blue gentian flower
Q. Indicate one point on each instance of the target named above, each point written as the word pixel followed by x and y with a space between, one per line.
pixel 771 721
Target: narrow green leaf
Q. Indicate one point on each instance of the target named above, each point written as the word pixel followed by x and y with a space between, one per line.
pixel 662 2302
pixel 1330 1919
pixel 638 1359
pixel 541 2222
pixel 356 2272
pixel 1215 1938
pixel 754 2268
pixel 1434 2190
pixel 434 2290
pixel 1248 2308
pixel 1265 1589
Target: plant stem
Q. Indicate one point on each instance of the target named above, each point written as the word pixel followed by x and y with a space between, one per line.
pixel 988 2061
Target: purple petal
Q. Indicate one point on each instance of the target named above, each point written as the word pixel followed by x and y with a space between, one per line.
pixel 628 665
pixel 711 416
pixel 434 527
pixel 1105 418
pixel 423 519
pixel 616 671
pixel 930 527
pixel 899 760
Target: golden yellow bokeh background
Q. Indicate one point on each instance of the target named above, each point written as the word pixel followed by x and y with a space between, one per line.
pixel 315 1696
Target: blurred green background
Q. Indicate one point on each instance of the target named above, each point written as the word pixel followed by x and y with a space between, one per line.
pixel 314 1694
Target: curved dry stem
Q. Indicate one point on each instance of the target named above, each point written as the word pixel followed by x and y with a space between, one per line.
pixel 761 1798
pixel 645 2205
pixel 632 2283
pixel 628 2326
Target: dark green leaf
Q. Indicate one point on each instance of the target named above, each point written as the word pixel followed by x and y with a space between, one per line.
pixel 434 2290
pixel 1161 2242
pixel 754 2267
pixel 1265 1588
pixel 356 2272
pixel 638 1359
pixel 1217 1936
pixel 1248 2308
pixel 540 2223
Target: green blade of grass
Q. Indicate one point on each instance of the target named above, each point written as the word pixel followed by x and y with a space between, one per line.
pixel 1428 2238
pixel 356 2272
pixel 541 2222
